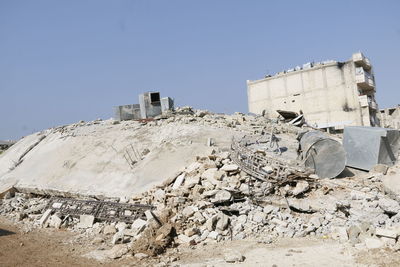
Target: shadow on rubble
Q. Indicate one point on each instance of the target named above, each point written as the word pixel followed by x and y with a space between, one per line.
pixel 5 232
pixel 346 173
pixel 280 150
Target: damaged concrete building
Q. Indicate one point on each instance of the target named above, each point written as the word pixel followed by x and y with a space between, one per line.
pixel 390 117
pixel 330 94
pixel 150 105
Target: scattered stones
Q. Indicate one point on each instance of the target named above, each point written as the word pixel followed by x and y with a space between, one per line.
pixel 213 200
pixel 233 257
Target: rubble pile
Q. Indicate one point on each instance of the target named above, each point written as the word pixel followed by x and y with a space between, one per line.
pixel 213 199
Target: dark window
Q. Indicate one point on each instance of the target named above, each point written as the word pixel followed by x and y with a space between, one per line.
pixel 154 97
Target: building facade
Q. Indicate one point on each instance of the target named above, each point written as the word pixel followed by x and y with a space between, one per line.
pixel 329 94
pixel 390 117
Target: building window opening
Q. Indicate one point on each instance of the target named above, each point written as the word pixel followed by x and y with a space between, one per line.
pixel 154 97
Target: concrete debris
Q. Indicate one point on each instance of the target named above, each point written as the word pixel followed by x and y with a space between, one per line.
pixel 301 187
pixel 109 230
pixel 390 206
pixel 380 168
pixel 230 168
pixel 216 197
pixel 373 243
pixel 85 221
pixel 44 217
pixel 55 221
pixel 233 256
pixel 179 181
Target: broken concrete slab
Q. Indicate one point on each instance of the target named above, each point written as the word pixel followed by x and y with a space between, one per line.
pixel 389 205
pixel 85 221
pixel 179 181
pixel 79 172
pixel 379 168
pixel 230 168
pixel 109 229
pixel 386 233
pixel 222 196
pixel 45 217
pixel 373 243
pixel 301 187
pixel 55 221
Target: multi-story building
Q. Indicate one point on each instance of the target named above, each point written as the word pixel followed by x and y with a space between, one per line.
pixel 329 94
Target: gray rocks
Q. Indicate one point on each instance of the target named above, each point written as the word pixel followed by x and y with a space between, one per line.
pixel 117 251
pixel 230 168
pixel 233 257
pixel 259 217
pixel 222 222
pixel 301 187
pixel 222 196
pixel 390 206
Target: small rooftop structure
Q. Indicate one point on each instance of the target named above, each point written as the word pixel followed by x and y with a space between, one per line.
pixel 150 105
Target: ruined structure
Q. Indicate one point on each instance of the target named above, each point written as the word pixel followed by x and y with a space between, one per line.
pixel 390 117
pixel 330 94
pixel 150 105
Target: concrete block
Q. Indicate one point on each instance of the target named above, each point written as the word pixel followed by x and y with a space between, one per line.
pixel 386 233
pixel 55 221
pixel 379 168
pixel 230 167
pixel 45 216
pixel 138 223
pixel 178 181
pixel 109 229
pixel 85 221
pixel 373 243
pixel 233 256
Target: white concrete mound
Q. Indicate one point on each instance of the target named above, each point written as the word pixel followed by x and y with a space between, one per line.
pixel 95 158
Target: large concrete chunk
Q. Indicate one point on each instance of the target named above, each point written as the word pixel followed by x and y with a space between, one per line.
pixel 367 146
pixel 92 159
pixel 85 221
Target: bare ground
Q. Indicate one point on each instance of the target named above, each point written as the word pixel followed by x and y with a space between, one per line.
pixel 51 247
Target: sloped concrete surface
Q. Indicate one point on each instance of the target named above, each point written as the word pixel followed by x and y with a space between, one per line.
pixel 91 158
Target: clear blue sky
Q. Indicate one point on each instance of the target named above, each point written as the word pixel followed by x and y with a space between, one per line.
pixel 71 60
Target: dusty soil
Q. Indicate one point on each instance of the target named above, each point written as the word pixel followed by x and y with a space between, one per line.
pixel 51 247
pixel 37 248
